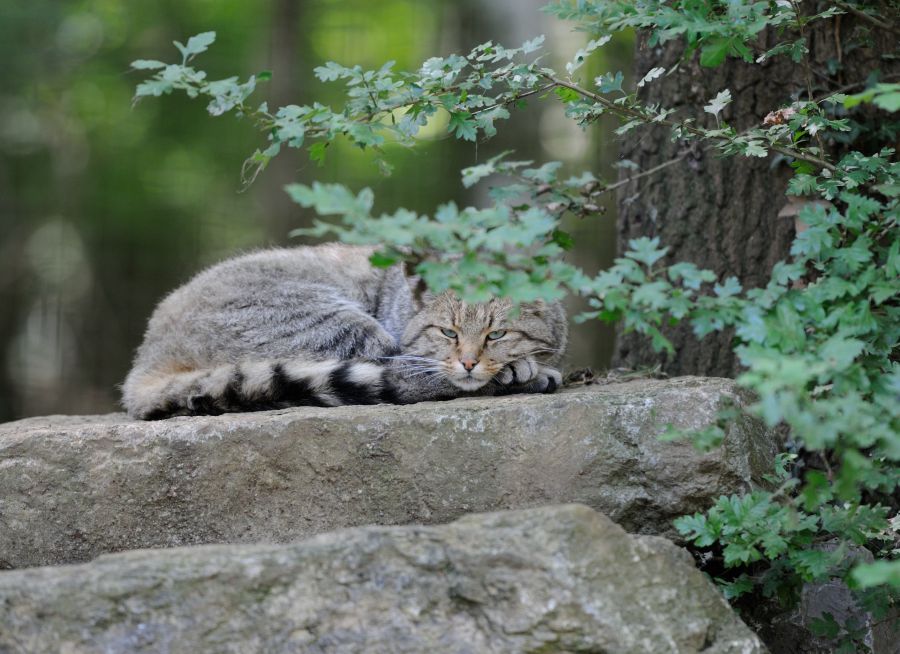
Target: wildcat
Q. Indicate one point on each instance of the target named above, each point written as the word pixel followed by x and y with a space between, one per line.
pixel 321 326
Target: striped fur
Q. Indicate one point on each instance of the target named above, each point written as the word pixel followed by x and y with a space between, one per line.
pixel 320 326
pixel 259 385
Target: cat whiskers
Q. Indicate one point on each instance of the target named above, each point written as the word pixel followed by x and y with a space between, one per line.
pixel 412 360
pixel 421 372
pixel 416 366
pixel 542 350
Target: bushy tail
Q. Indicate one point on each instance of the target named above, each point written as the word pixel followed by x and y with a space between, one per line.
pixel 254 386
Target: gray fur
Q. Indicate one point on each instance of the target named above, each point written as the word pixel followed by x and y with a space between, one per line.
pixel 321 325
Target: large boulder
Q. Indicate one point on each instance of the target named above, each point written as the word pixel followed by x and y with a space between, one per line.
pixel 72 488
pixel 554 579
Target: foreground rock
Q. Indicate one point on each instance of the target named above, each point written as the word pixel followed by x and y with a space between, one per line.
pixel 72 488
pixel 554 579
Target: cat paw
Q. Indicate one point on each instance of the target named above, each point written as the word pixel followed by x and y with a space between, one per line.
pixel 521 371
pixel 546 381
pixel 529 376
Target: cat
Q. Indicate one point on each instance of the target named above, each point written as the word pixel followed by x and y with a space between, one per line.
pixel 321 326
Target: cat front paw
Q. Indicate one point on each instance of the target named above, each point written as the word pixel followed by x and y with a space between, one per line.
pixel 521 371
pixel 546 381
pixel 529 376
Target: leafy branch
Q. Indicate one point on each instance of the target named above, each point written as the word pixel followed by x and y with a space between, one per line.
pixel 474 91
pixel 685 127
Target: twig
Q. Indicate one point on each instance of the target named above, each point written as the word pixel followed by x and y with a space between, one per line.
pixel 515 98
pixel 850 87
pixel 645 173
pixel 806 67
pixel 827 466
pixel 631 113
pixel 867 17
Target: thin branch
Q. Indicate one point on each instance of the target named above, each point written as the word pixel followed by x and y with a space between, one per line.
pixel 854 85
pixel 806 66
pixel 645 173
pixel 514 98
pixel 867 17
pixel 632 113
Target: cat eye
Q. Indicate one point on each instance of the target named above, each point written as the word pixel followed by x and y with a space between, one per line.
pixel 449 333
pixel 493 336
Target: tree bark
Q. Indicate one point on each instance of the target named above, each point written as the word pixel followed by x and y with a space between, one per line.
pixel 288 61
pixel 722 213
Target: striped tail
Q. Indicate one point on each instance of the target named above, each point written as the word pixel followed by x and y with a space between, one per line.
pixel 255 386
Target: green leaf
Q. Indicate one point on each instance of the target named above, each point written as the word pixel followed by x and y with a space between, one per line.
pixel 196 44
pixel 734 589
pixel 609 82
pixel 693 277
pixel 755 149
pixel 714 53
pixel 546 174
pixel 738 553
pixel 730 288
pixel 332 71
pixel 566 94
pixel 839 352
pixel 697 528
pixel 563 239
pixel 888 101
pixel 582 54
pixel 381 260
pixel 147 64
pixel 461 122
pixel 886 96
pixel 715 106
pixel 802 184
pixel 752 328
pixel 533 44
pixel 653 295
pixel 825 626
pixel 645 250
pixel 154 87
pixel 867 575
pixel 331 199
pixel 474 174
pixel 651 75
pixel 813 565
pixel 317 152
pixel 774 544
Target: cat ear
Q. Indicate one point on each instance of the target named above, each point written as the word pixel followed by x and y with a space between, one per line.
pixel 536 308
pixel 420 293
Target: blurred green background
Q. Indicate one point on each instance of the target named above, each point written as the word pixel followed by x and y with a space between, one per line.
pixel 104 208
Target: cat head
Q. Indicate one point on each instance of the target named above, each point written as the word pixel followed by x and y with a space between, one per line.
pixel 469 343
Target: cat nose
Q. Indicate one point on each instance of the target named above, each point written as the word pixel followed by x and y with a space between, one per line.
pixel 468 363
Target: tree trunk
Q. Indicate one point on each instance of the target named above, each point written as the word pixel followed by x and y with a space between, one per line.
pixel 287 60
pixel 722 213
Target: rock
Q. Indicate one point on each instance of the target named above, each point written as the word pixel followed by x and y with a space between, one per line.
pixel 72 488
pixel 553 579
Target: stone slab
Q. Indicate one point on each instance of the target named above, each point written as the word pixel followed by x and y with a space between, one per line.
pixel 75 487
pixel 554 579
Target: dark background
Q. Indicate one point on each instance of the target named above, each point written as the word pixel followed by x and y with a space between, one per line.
pixel 104 208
